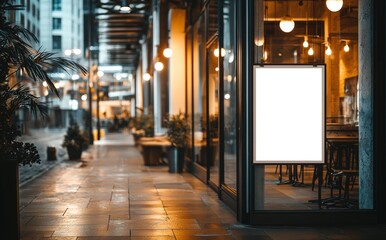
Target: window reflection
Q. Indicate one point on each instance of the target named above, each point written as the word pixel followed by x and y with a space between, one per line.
pixel 229 78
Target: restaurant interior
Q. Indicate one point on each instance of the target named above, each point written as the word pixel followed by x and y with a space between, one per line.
pixel 309 32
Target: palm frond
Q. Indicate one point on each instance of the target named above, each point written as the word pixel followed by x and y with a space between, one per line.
pixel 8 5
pixel 20 97
pixel 25 33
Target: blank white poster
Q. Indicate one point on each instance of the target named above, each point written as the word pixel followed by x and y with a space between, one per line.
pixel 289 109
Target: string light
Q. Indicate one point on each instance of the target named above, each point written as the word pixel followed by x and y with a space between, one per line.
pixel 311 51
pixel 346 48
pixel 328 50
pixel 305 43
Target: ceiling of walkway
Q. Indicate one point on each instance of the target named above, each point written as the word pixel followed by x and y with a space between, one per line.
pixel 120 31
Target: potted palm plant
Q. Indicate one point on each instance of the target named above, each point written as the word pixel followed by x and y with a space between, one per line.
pixel 178 134
pixel 18 56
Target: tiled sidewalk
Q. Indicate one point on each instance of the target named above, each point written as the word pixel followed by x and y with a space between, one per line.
pixel 110 194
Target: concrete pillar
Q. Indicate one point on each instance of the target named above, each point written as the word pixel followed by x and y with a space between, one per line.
pixel 177 64
pixel 366 155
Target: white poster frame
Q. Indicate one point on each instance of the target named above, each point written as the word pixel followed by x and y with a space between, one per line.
pixel 289 114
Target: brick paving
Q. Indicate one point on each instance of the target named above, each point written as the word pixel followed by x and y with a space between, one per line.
pixel 110 194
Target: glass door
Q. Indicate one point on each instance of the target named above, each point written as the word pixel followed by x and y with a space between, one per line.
pixel 213 153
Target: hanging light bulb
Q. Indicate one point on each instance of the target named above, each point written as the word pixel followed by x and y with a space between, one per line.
pixel 287 24
pixel 311 51
pixel 328 50
pixel 305 43
pixel 346 48
pixel 168 52
pixel 146 76
pixel 334 5
pixel 158 66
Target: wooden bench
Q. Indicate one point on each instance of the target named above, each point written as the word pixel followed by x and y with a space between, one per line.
pixel 153 150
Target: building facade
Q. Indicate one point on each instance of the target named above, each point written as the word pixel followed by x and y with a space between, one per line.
pixel 62 32
pixel 227 43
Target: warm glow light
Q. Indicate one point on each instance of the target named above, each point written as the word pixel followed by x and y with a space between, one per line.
pixel 100 73
pixel 287 24
pixel 168 52
pixel 334 5
pixel 146 76
pixel 159 66
pixel 305 43
pixel 310 51
pixel 84 97
pixel 227 96
pixel 346 48
pixel 216 52
pixel 328 51
pixel 265 56
pixel 216 69
pixel 259 42
pixel 45 84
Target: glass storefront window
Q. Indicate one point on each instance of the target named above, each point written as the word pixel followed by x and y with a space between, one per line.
pixel 230 97
pixel 212 150
pixel 199 92
pixel 319 36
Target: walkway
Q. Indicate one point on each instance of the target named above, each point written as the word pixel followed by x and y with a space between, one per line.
pixel 111 195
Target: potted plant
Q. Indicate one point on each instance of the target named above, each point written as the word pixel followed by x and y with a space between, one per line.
pixel 144 127
pixel 18 56
pixel 75 141
pixel 178 129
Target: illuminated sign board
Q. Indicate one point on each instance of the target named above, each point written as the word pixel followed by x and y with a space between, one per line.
pixel 289 114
